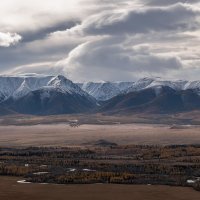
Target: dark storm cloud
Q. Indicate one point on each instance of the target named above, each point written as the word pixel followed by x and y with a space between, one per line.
pixel 33 52
pixel 177 17
pixel 43 32
pixel 36 47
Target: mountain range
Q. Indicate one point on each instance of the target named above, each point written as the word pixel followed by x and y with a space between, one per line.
pixel 43 95
pixel 51 95
pixel 103 91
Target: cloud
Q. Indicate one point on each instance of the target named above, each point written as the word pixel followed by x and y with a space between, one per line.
pixel 167 2
pixel 108 59
pixel 30 16
pixel 102 39
pixel 177 17
pixel 23 15
pixel 36 68
pixel 8 39
pixel 51 48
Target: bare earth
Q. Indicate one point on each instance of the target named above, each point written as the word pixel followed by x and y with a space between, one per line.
pixel 64 135
pixel 11 190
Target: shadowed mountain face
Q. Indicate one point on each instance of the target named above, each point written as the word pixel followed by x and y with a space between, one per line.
pixel 151 100
pixel 52 95
pixel 42 102
pixel 55 95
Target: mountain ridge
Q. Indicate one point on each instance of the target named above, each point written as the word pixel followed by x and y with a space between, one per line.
pixel 43 95
pixel 46 95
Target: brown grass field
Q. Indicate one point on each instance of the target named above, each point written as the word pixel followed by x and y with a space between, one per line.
pixel 55 131
pixel 11 190
pixel 64 135
pixel 145 118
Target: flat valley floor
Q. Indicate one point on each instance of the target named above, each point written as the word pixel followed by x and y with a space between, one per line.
pixel 11 190
pixel 122 134
pixel 61 135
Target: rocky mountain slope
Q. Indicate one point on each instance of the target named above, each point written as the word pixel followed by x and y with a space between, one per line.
pixel 159 99
pixel 44 95
pixel 103 91
pixel 51 95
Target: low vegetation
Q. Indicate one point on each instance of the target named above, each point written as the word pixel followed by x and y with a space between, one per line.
pixel 169 165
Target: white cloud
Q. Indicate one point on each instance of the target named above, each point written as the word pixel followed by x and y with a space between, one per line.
pixel 37 68
pixel 32 15
pixel 8 39
pixel 177 17
pixel 109 59
pixel 167 2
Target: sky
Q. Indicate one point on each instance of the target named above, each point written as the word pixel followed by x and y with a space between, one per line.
pixel 101 40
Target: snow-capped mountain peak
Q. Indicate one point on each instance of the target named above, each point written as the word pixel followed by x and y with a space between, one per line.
pixel 18 86
pixel 66 85
pixel 22 90
pixel 156 83
pixel 103 91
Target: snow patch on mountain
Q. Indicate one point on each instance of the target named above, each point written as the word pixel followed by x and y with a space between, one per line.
pixel 103 91
pixel 158 83
pixel 66 85
pixel 123 85
pixel 18 86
